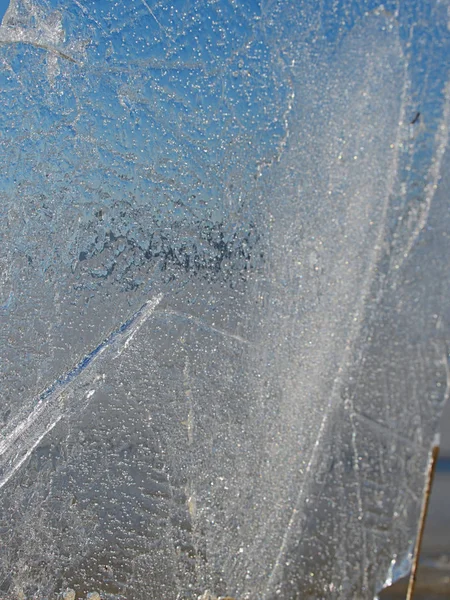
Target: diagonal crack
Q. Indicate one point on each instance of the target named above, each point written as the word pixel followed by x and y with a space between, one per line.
pixel 53 404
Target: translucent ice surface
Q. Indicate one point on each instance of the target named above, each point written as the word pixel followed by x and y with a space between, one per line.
pixel 224 294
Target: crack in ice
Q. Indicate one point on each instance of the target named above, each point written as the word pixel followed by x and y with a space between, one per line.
pixel 51 406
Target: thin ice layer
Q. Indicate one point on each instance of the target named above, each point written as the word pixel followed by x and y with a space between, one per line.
pixel 274 194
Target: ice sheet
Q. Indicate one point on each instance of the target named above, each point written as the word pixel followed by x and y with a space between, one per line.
pixel 224 294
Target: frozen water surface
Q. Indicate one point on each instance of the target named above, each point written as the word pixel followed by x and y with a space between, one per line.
pixel 224 294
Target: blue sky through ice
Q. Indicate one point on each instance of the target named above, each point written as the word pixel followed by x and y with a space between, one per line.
pixel 3 7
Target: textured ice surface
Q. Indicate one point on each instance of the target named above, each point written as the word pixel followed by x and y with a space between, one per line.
pixel 224 294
